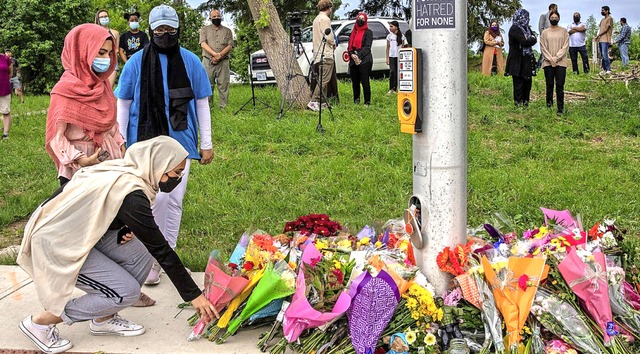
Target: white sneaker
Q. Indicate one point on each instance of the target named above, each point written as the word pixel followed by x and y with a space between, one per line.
pixel 154 275
pixel 116 326
pixel 314 106
pixel 47 340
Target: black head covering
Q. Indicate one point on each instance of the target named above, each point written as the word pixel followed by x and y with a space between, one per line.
pixel 153 120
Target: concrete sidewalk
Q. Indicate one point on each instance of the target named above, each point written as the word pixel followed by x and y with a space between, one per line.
pixel 165 334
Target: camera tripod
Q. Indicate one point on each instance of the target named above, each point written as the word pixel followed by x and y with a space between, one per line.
pixel 311 74
pixel 253 93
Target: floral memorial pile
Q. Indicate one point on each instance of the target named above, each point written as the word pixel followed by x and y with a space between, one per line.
pixel 555 288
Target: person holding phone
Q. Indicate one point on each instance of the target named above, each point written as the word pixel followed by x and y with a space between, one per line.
pixel 66 247
pixel 81 128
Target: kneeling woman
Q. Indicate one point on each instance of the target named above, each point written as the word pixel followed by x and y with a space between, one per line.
pixel 78 238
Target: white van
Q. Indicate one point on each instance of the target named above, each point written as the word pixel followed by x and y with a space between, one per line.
pixel 261 71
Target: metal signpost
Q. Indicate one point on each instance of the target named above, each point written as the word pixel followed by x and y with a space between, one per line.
pixel 440 149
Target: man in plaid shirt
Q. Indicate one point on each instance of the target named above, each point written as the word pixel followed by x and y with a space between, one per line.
pixel 623 40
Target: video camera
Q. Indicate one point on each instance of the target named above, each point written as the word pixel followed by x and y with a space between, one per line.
pixel 294 21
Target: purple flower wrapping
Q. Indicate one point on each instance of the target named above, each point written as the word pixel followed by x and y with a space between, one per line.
pixel 374 302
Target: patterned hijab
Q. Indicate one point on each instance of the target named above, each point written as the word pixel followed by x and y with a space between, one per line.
pixel 521 19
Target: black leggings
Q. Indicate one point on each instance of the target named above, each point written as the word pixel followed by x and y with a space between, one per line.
pixel 393 73
pixel 521 90
pixel 555 77
pixel 360 74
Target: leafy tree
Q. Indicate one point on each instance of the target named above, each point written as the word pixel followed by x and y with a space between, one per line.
pixel 247 39
pixel 190 19
pixel 634 48
pixel 35 31
pixel 393 8
pixel 246 42
pixel 279 52
pixel 480 13
pixel 592 31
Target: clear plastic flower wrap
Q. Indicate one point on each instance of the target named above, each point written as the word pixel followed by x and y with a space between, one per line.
pixel 563 320
pixel 624 313
pixel 490 314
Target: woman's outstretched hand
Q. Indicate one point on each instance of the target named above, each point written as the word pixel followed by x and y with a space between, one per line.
pixel 204 308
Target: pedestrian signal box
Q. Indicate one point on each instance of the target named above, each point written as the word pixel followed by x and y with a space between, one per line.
pixel 410 90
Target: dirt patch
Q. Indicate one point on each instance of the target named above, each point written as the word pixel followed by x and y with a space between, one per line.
pixel 490 92
pixel 12 234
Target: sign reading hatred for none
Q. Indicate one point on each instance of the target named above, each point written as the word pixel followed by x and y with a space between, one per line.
pixel 435 14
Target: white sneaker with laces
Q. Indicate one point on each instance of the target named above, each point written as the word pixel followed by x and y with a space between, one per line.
pixel 314 106
pixel 47 340
pixel 154 275
pixel 116 326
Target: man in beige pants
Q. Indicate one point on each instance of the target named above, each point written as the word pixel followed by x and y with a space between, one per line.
pixel 321 23
pixel 216 41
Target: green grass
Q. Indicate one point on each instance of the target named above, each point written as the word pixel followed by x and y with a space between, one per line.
pixel 268 171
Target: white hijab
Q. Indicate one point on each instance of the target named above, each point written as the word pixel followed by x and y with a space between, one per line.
pixel 61 232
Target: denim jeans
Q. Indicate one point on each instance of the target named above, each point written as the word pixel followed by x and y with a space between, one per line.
pixel 604 51
pixel 624 54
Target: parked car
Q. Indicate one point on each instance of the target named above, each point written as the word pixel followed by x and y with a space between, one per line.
pixel 234 78
pixel 261 71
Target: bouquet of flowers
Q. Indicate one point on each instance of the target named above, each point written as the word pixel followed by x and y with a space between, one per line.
pixel 328 298
pixel 514 288
pixel 219 288
pixel 589 282
pixel 625 314
pixel 564 321
pixel 318 224
pixel 374 301
pixel 490 315
pixel 277 282
pixel 454 261
pixel 225 318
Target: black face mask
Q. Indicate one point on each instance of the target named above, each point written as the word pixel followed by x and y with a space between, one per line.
pixel 576 19
pixel 216 21
pixel 170 184
pixel 166 40
pixel 554 22
pixel 360 22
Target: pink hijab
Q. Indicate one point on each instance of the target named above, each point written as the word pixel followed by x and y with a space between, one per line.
pixel 82 97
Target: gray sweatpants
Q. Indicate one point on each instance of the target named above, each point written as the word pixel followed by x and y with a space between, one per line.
pixel 111 276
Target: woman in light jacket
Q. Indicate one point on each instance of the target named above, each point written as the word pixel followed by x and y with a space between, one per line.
pixel 493 44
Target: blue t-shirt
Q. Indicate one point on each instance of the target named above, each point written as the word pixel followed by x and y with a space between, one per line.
pixel 129 89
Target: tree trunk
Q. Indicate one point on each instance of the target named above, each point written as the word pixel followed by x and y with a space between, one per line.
pixel 279 51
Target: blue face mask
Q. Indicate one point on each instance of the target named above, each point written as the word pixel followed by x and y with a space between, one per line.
pixel 101 65
pixel 134 25
pixel 104 21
